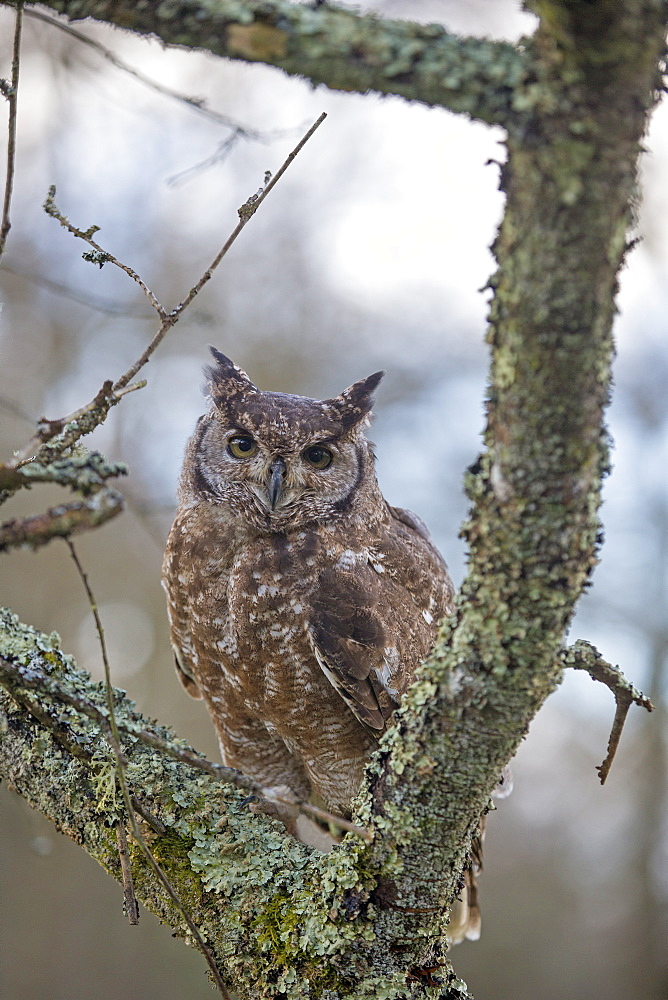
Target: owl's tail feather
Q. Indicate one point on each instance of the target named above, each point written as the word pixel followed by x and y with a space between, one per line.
pixel 465 921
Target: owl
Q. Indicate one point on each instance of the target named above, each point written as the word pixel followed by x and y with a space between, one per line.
pixel 300 601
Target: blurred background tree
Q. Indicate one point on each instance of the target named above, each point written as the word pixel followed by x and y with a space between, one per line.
pixel 368 255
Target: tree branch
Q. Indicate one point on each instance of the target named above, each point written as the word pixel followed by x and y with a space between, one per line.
pixel 583 656
pixel 272 911
pixel 61 521
pixel 339 47
pixel 10 90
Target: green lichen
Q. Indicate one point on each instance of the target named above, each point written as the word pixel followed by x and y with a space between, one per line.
pixel 171 851
pixel 82 470
pixel 105 783
pixel 19 642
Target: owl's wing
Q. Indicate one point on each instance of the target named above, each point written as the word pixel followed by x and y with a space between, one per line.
pixel 184 671
pixel 374 617
pixel 418 533
pixel 177 609
pixel 347 632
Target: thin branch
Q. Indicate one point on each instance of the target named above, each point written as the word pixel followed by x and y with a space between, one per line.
pixel 61 521
pixel 11 406
pixel 196 104
pixel 121 762
pixel 156 825
pixel 11 94
pixel 583 656
pixel 131 904
pixel 221 154
pixel 246 212
pixel 99 255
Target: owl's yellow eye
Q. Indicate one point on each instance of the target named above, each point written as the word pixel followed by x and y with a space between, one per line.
pixel 318 457
pixel 242 446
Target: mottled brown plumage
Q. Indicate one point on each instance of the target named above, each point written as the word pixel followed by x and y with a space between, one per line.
pixel 300 601
pixel 300 622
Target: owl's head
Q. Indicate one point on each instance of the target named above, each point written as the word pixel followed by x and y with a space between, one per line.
pixel 276 461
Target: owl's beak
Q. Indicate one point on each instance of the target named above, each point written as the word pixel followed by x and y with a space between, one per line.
pixel 277 470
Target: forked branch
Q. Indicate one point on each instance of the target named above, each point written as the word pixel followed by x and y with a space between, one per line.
pixel 583 656
pixel 57 436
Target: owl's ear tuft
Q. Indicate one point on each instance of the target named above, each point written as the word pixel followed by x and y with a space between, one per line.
pixel 355 402
pixel 225 379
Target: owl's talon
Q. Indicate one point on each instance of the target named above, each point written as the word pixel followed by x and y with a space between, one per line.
pixel 282 794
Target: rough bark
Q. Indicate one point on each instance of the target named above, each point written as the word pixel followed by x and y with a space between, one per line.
pixel 330 45
pixel 355 923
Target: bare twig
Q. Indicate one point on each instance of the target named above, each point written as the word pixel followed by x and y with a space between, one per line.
pixel 99 255
pixel 114 739
pixel 246 212
pixel 11 406
pixel 222 152
pixel 131 904
pixel 156 824
pixel 583 656
pixel 11 93
pixel 196 104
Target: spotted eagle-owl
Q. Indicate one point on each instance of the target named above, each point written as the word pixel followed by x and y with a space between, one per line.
pixel 300 601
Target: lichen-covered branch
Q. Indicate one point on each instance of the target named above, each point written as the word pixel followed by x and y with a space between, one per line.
pixel 279 917
pixel 85 472
pixel 56 438
pixel 333 45
pixel 62 521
